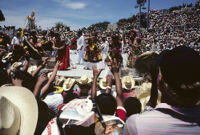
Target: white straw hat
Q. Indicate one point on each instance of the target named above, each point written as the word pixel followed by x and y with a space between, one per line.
pixel 102 83
pixel 128 82
pixel 85 79
pixel 31 69
pixel 59 80
pixel 18 111
pixel 68 83
pixel 49 74
pixel 15 66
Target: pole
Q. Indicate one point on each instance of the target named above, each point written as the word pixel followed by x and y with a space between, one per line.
pixel 140 20
pixel 148 21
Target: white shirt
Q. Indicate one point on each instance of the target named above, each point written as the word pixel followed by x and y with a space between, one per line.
pixel 81 43
pixel 16 40
pixel 106 48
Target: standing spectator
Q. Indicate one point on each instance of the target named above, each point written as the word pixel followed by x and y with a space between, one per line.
pixel 179 111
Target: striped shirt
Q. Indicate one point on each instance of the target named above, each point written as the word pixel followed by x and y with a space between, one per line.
pixel 165 120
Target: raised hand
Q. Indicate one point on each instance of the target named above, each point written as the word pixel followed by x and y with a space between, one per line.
pixel 115 66
pixel 42 78
pixel 45 61
pixel 96 72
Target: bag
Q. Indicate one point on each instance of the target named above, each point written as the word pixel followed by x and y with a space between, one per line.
pixel 78 112
pixel 52 128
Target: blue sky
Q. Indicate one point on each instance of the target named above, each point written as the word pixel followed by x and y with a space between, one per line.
pixel 75 13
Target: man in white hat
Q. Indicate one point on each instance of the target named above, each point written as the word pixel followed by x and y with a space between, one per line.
pixel 85 85
pixel 18 111
pixel 128 86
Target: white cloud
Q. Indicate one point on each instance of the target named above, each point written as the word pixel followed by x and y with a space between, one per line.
pixel 70 4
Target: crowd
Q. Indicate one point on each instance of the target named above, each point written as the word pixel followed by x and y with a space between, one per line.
pixel 165 100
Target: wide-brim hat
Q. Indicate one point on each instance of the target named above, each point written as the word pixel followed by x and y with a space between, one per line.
pixel 7 55
pixel 85 80
pixel 49 74
pixel 128 83
pixel 31 69
pixel 19 111
pixel 68 83
pixel 59 80
pixel 102 83
pixel 15 66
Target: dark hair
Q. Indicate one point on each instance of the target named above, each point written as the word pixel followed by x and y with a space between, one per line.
pixel 80 33
pixel 180 70
pixel 132 106
pixel 69 97
pixel 28 80
pixel 107 104
pixel 180 66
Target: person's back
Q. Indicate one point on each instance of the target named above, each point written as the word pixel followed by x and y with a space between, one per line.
pixel 178 114
pixel 165 120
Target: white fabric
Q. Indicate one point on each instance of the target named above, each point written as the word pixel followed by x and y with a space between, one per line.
pixel 53 101
pixel 52 128
pixel 79 110
pixel 15 40
pixel 81 49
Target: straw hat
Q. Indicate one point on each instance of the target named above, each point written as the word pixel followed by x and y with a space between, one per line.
pixel 59 80
pixel 49 74
pixel 18 111
pixel 128 82
pixel 68 83
pixel 31 69
pixel 102 83
pixel 7 55
pixel 85 80
pixel 144 94
pixel 15 66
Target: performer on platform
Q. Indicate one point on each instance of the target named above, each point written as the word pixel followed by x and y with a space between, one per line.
pixel 31 21
pixel 63 51
pixel 93 53
pixel 81 47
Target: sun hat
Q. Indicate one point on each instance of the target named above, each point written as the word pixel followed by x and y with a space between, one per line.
pixel 68 83
pixel 7 55
pixel 49 74
pixel 85 80
pixel 128 82
pixel 31 69
pixel 15 66
pixel 18 111
pixel 102 83
pixel 59 80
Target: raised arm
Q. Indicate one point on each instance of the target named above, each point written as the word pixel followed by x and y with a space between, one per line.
pixel 96 74
pixel 52 77
pixel 40 67
pixel 115 70
pixel 37 89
